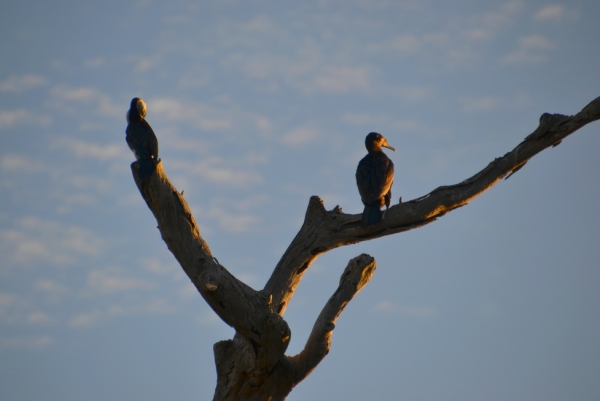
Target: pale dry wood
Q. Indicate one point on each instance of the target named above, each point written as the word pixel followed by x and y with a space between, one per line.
pixel 356 275
pixel 324 230
pixel 239 379
pixel 238 305
pixel 253 365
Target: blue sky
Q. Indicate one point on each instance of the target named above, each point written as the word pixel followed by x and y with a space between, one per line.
pixel 257 107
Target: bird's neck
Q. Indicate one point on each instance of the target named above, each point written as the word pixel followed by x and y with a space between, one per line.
pixel 134 115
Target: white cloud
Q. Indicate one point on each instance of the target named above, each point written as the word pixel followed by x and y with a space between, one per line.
pixel 552 12
pixel 34 241
pixel 477 34
pixel 530 50
pixel 536 42
pixel 502 16
pixel 457 41
pixel 85 183
pixel 93 318
pixel 20 84
pixel 420 312
pixel 159 306
pixel 26 342
pixel 16 309
pixel 342 79
pixel 6 300
pixel 91 150
pixel 556 12
pixel 443 159
pixel 78 100
pixel 260 24
pixel 188 292
pixel 415 94
pixel 209 318
pixel 143 63
pixel 300 136
pixel 236 216
pixel 81 94
pixel 85 320
pixel 156 267
pixel 233 222
pixel 112 280
pixel 94 63
pixel 260 49
pixel 17 163
pixel 479 104
pixel 206 117
pixel 51 289
pixel 405 43
pixel 39 318
pixel 357 118
pixel 11 118
pixel 220 171
pixel 249 279
pixel 372 121
pixel 227 176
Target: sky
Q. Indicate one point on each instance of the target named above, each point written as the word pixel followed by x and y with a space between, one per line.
pixel 257 106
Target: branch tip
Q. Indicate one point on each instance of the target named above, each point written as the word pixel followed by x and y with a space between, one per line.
pixel 315 209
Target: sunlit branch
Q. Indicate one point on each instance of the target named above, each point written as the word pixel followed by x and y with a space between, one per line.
pixel 356 275
pixel 325 230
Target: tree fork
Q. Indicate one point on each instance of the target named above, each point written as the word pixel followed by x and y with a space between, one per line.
pixel 253 365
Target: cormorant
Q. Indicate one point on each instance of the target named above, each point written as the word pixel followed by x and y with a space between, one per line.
pixel 141 138
pixel 374 178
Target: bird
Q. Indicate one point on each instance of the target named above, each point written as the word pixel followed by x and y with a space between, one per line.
pixel 141 138
pixel 374 178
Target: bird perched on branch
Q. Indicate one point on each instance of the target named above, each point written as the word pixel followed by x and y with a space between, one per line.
pixel 140 138
pixel 374 178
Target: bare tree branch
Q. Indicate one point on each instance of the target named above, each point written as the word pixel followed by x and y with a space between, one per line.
pixel 236 358
pixel 253 365
pixel 356 275
pixel 325 230
pixel 238 305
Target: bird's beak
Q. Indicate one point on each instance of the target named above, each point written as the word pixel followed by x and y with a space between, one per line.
pixel 385 145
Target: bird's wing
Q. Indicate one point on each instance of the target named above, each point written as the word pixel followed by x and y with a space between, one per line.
pixel 141 139
pixel 151 142
pixel 374 177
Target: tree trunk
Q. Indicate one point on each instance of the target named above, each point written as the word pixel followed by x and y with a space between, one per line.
pixel 253 365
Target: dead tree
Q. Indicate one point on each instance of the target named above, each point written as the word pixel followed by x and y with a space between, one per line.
pixel 253 365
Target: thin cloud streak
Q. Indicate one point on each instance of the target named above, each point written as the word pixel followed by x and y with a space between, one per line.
pixel 531 49
pixel 32 241
pixel 24 83
pixel 421 312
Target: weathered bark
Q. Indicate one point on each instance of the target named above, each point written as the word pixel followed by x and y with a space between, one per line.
pixel 253 365
pixel 325 230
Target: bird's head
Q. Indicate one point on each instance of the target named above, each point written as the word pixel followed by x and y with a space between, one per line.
pixel 137 106
pixel 375 141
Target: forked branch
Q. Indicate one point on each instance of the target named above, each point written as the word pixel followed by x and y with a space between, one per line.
pixel 253 366
pixel 325 230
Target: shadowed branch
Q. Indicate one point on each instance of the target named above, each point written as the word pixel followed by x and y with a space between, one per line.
pixel 356 275
pixel 325 230
pixel 253 365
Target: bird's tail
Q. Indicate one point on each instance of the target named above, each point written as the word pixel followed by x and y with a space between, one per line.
pixel 371 216
pixel 147 167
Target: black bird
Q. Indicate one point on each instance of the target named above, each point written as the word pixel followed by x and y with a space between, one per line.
pixel 141 138
pixel 374 178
